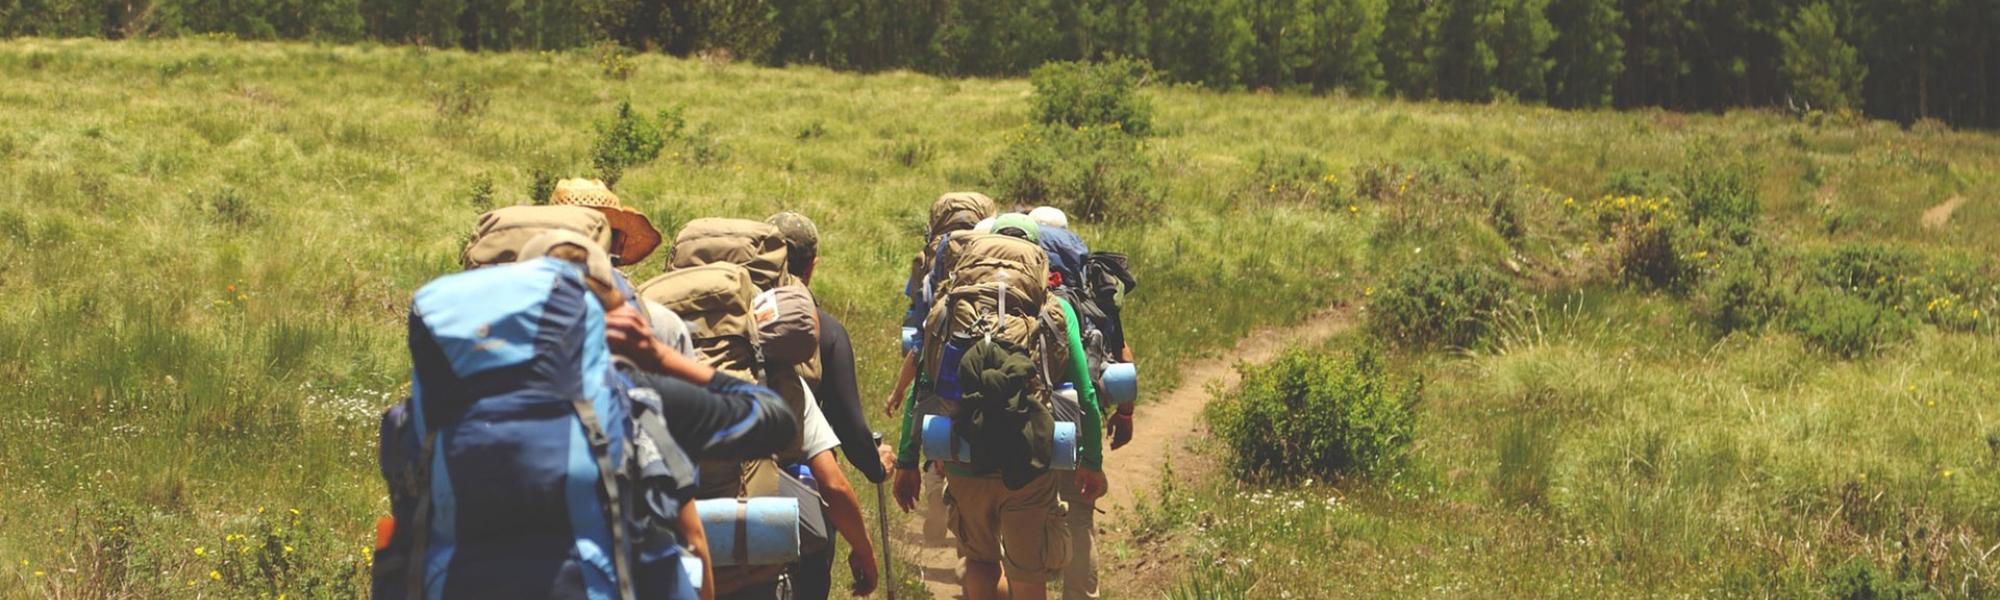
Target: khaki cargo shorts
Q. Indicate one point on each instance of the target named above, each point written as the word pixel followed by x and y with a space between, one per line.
pixel 1024 527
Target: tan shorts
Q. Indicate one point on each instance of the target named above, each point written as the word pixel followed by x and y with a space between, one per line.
pixel 1024 527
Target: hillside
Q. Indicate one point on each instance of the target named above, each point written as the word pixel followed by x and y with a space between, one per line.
pixel 211 245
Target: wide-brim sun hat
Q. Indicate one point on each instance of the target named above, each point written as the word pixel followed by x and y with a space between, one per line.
pixel 636 237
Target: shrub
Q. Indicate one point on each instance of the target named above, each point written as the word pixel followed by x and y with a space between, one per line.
pixel 1451 306
pixel 458 105
pixel 1317 415
pixel 1637 182
pixel 228 207
pixel 1093 94
pixel 910 153
pixel 1655 246
pixel 1742 294
pixel 1719 192
pixel 481 194
pixel 616 61
pixel 1295 177
pixel 1861 579
pixel 1846 325
pixel 1880 273
pixel 627 140
pixel 1091 173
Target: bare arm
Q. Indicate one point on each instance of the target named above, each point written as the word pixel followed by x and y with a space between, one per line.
pixel 695 538
pixel 903 380
pixel 844 509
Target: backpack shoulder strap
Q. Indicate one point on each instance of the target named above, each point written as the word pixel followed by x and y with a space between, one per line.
pixel 607 480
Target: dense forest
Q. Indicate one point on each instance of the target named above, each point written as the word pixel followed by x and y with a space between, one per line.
pixel 1896 59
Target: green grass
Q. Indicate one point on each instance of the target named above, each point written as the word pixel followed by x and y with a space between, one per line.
pixel 209 246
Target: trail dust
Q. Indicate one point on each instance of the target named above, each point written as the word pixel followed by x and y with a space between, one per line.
pixel 1166 429
pixel 1937 216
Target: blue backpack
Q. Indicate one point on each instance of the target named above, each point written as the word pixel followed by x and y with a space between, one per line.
pixel 520 466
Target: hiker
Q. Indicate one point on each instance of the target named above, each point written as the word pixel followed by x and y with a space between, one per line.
pixel 951 213
pixel 835 389
pixel 994 344
pixel 1104 342
pixel 732 278
pixel 482 466
pixel 633 236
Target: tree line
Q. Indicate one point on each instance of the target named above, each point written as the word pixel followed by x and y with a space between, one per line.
pixel 1896 59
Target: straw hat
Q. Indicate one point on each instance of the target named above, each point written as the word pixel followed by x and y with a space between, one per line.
pixel 636 238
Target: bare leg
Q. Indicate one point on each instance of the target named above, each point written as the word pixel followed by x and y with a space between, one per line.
pixel 982 580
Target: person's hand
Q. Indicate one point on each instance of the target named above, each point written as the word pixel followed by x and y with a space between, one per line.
pixel 1091 483
pixel 888 456
pixel 894 404
pixel 909 487
pixel 629 334
pixel 862 566
pixel 1119 427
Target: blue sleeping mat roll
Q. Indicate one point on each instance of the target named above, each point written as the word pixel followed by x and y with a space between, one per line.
pixel 938 446
pixel 1121 383
pixel 771 529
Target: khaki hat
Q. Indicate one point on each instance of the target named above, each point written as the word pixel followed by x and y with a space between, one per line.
pixel 636 237
pixel 596 264
pixel 799 232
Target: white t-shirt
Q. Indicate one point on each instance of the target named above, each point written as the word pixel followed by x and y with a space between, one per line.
pixel 819 436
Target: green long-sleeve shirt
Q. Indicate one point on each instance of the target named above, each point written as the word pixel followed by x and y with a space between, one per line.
pixel 1090 433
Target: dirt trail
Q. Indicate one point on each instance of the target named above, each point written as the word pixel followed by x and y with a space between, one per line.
pixel 1937 216
pixel 1166 425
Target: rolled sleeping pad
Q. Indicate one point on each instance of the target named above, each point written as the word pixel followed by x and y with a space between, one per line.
pixel 1121 382
pixel 912 337
pixel 770 527
pixel 938 446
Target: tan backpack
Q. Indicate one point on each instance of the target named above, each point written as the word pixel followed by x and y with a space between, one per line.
pixel 498 237
pixel 755 245
pixel 951 213
pixel 987 271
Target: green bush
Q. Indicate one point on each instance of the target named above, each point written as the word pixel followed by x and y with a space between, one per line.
pixel 1091 173
pixel 1846 325
pixel 1742 294
pixel 1317 415
pixel 628 139
pixel 1450 306
pixel 1880 273
pixel 1093 94
pixel 1719 190
pixel 1294 177
pixel 1861 579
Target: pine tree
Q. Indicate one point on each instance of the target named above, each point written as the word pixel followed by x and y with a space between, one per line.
pixel 1824 70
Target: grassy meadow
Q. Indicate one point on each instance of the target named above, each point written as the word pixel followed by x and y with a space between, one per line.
pixel 210 245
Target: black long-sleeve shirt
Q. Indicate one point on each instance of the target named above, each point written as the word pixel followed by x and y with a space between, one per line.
pixel 840 399
pixel 728 419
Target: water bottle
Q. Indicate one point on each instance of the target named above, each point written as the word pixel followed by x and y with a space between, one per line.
pixel 805 475
pixel 1068 407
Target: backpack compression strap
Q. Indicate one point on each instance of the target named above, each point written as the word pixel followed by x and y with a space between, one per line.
pixel 600 449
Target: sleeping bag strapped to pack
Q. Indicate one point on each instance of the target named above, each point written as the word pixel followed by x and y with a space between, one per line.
pixel 516 469
pixel 501 232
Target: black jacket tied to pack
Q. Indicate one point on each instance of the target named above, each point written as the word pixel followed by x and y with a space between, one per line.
pixel 1010 431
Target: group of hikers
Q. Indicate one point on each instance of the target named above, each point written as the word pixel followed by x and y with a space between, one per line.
pixel 569 434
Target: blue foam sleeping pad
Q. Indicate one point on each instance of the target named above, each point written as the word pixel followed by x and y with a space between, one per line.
pixel 1121 383
pixel 771 526
pixel 938 446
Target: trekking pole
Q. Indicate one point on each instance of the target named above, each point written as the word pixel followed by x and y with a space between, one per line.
pixel 882 526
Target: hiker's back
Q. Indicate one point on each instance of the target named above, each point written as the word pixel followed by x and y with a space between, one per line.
pixel 505 467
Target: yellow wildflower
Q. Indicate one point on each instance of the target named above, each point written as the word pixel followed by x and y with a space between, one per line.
pixel 215 575
pixel 1945 473
pixel 200 551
